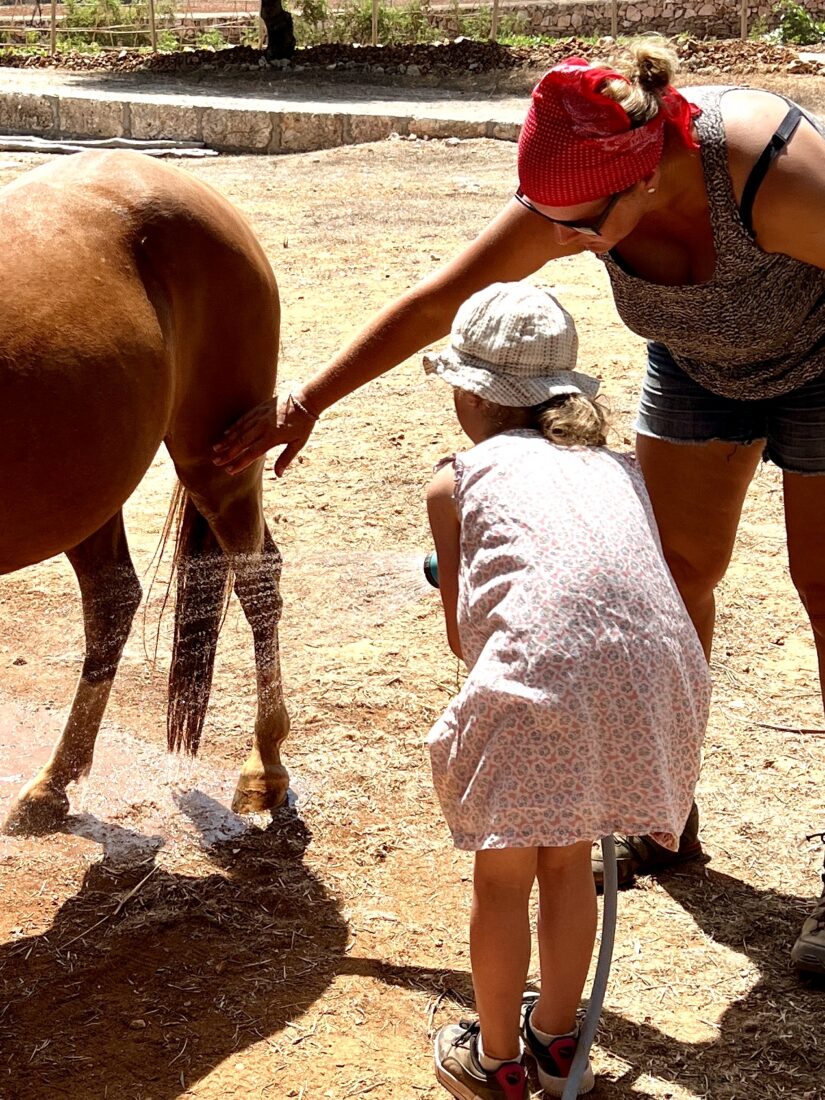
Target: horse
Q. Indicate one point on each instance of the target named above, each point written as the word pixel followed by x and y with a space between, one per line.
pixel 137 308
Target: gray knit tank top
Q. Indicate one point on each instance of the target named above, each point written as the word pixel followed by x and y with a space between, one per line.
pixel 757 328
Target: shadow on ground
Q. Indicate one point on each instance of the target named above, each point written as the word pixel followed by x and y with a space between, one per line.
pixel 149 979
pixel 770 1043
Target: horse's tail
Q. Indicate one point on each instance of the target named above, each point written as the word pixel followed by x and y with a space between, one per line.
pixel 204 584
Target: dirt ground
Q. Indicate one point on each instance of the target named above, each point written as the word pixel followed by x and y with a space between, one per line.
pixel 160 947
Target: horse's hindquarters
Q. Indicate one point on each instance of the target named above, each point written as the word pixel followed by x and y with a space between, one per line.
pixel 75 440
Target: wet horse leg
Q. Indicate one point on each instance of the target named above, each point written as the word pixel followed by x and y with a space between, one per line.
pixel 234 511
pixel 263 781
pixel 110 593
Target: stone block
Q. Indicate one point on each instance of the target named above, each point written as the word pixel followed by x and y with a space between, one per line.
pixel 149 121
pixel 21 113
pixel 358 129
pixel 236 129
pixel 445 127
pixel 90 117
pixel 504 131
pixel 304 133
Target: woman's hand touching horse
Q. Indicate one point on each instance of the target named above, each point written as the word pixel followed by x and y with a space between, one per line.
pixel 273 422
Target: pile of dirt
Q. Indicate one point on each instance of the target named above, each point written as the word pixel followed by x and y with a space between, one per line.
pixel 441 60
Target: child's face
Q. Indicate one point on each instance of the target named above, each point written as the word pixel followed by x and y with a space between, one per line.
pixel 480 419
pixel 471 415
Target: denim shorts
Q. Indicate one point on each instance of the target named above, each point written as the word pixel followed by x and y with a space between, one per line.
pixel 676 409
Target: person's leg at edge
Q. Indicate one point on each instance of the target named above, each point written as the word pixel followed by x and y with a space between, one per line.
pixel 805 526
pixel 697 491
pixel 500 944
pixel 566 935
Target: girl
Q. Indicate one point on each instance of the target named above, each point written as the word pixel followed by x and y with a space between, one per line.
pixel 587 690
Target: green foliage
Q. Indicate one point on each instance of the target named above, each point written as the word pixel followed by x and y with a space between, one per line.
pixel 168 41
pixel 351 21
pixel 796 25
pixel 250 36
pixel 82 14
pixel 210 39
pixel 315 13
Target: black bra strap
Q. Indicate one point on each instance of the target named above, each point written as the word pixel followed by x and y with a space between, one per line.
pixel 780 139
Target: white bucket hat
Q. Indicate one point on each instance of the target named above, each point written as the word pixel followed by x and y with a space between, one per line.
pixel 512 344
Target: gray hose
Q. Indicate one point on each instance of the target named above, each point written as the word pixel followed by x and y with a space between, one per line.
pixel 594 1008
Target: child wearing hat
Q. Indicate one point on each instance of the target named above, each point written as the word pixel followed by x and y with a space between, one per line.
pixel 587 690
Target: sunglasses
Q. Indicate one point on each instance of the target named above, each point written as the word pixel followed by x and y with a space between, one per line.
pixel 591 228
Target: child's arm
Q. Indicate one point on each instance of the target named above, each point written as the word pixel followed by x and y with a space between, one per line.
pixel 446 531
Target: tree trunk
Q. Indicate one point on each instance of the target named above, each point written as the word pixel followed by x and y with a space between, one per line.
pixel 280 37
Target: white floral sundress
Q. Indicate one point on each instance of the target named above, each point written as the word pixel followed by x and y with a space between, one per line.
pixel 587 692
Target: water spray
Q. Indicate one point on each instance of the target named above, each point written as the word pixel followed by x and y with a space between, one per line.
pixel 594 1007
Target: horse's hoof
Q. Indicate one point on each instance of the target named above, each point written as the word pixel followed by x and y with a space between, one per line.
pixel 264 791
pixel 37 811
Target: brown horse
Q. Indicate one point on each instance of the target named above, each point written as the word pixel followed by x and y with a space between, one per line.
pixel 136 307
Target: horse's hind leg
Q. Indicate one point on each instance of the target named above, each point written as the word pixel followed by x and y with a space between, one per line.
pixel 110 594
pixel 263 781
pixel 233 509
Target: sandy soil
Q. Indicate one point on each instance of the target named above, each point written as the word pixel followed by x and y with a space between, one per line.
pixel 161 947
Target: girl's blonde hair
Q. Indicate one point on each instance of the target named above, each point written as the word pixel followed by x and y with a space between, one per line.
pixel 650 69
pixel 571 420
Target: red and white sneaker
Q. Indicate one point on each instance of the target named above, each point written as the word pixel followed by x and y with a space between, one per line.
pixel 459 1070
pixel 553 1059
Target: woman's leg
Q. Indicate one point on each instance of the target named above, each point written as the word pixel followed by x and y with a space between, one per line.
pixel 697 491
pixel 500 944
pixel 566 933
pixel 805 526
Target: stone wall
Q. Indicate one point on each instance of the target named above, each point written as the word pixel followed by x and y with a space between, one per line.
pixel 561 18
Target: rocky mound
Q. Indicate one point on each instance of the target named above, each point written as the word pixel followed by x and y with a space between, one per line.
pixel 443 61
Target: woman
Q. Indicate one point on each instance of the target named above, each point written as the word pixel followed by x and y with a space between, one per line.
pixel 706 209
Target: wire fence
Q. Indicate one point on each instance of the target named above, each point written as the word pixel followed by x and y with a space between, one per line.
pixel 114 25
pixel 172 24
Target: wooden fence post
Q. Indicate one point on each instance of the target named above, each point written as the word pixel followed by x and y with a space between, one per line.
pixel 494 22
pixel 375 22
pixel 744 20
pixel 153 30
pixel 614 17
pixel 53 33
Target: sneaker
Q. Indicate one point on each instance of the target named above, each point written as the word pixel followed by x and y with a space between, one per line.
pixel 553 1059
pixel 639 855
pixel 808 953
pixel 458 1069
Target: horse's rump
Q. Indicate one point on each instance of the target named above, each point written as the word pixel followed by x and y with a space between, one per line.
pixel 124 286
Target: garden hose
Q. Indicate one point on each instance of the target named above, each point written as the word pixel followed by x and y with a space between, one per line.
pixel 594 1007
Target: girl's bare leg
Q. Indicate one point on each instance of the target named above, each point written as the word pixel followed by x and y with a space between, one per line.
pixel 567 933
pixel 500 944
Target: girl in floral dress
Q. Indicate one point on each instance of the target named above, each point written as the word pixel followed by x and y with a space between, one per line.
pixel 587 690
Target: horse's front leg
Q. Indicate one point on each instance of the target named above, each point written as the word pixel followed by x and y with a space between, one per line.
pixel 110 594
pixel 263 780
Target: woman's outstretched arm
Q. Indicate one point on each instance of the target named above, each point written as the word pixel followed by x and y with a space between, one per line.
pixel 513 246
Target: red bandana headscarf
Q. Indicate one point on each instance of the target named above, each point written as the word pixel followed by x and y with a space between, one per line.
pixel 577 145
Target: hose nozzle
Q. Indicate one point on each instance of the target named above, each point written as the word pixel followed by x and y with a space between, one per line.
pixel 431 568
